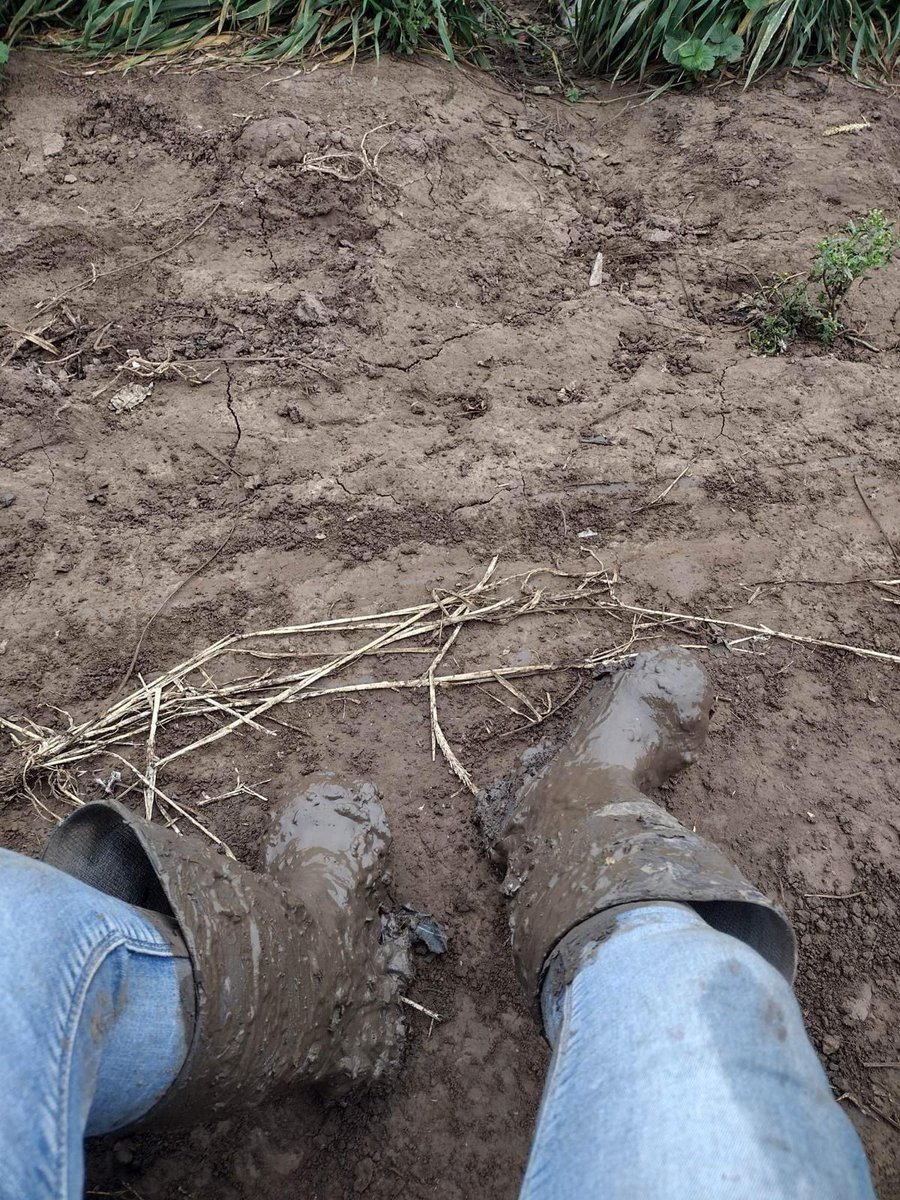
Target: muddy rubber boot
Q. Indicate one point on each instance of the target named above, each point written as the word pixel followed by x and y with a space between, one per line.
pixel 292 983
pixel 583 839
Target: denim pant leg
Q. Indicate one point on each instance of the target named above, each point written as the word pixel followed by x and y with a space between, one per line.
pixel 92 1024
pixel 682 1071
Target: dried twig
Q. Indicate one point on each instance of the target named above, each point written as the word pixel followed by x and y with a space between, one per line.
pixel 21 336
pixel 870 1110
pixel 218 458
pixel 801 639
pixel 421 1008
pixel 187 691
pixel 151 753
pixel 872 514
pixel 830 896
pixel 438 737
pixel 551 712
pixel 338 162
pixel 143 368
pixel 681 474
pixel 166 600
pixel 53 301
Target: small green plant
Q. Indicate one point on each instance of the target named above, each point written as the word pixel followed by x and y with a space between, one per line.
pixel 700 56
pixel 785 309
pixel 4 57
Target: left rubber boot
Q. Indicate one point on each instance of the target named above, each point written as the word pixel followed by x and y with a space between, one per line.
pixel 293 984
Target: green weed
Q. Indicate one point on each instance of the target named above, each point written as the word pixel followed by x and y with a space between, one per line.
pixel 785 310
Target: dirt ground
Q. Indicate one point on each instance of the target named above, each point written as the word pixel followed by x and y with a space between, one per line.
pixel 401 367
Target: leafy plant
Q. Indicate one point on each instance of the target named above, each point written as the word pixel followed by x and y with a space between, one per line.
pixel 685 39
pixel 785 309
pixel 4 57
pixel 630 38
pixel 700 55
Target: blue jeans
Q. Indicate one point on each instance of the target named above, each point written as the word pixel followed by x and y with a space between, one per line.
pixel 681 1069
pixel 93 1030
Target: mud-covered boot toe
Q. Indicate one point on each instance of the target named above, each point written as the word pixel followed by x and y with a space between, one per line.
pixel 332 838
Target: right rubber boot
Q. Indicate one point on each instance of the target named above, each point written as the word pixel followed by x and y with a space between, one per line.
pixel 583 839
pixel 293 983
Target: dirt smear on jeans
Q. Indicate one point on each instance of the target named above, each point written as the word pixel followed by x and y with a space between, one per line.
pixel 378 383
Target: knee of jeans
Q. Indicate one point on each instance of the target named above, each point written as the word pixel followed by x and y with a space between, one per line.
pixel 674 954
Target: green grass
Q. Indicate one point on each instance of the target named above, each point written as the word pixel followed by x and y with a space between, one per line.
pixel 671 40
pixel 629 38
pixel 278 28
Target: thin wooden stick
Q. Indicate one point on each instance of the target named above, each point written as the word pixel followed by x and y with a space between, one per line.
pixel 165 600
pixel 871 511
pixel 421 1008
pixel 662 495
pixel 44 305
pixel 800 639
pixel 161 795
pixel 432 695
pixel 151 754
pixel 831 896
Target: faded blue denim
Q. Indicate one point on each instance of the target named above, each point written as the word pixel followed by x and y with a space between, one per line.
pixel 92 1026
pixel 682 1071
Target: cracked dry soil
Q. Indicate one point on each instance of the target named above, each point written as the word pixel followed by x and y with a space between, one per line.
pixel 400 372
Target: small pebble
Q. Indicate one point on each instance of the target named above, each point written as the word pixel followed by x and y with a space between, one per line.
pixel 70 178
pixel 7 498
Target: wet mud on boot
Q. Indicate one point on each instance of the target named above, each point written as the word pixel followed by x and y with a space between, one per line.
pixel 329 847
pixel 294 984
pixel 581 838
